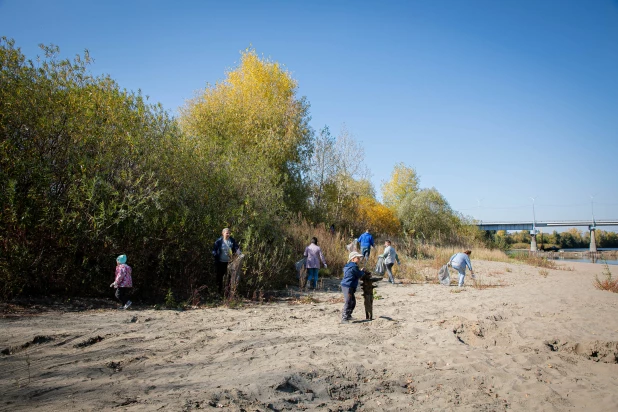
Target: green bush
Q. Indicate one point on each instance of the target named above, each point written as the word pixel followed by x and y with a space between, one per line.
pixel 89 171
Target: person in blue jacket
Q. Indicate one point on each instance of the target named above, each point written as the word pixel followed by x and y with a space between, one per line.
pixel 366 243
pixel 351 274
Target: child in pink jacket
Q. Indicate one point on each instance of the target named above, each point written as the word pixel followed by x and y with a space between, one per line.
pixel 123 281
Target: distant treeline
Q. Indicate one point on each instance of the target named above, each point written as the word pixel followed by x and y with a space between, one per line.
pixel 571 238
pixel 89 171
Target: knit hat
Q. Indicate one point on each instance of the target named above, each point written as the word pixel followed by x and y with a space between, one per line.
pixel 121 259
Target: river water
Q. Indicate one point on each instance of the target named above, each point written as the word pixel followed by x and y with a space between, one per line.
pixel 588 260
pixel 584 259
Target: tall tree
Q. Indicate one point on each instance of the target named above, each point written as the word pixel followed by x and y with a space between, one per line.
pixel 404 181
pixel 427 215
pixel 351 168
pixel 323 170
pixel 255 114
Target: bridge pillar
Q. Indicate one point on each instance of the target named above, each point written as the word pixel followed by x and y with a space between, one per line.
pixel 533 247
pixel 593 240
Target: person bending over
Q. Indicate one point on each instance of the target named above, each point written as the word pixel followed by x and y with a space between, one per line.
pixel 459 262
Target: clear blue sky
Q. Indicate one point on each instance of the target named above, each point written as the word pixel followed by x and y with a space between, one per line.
pixel 492 102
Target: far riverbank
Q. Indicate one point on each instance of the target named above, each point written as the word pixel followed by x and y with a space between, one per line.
pixel 608 255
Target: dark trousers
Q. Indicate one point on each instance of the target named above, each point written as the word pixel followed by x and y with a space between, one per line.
pixel 122 294
pixel 350 302
pixel 221 270
pixel 389 270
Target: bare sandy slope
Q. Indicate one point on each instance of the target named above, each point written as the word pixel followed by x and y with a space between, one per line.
pixel 536 343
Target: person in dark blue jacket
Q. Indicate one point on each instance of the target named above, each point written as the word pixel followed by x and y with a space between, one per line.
pixel 223 251
pixel 351 274
pixel 366 243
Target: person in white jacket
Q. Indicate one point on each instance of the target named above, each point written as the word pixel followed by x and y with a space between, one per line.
pixel 390 257
pixel 460 261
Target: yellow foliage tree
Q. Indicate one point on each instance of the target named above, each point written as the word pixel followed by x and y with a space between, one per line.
pixel 256 110
pixel 253 125
pixel 373 215
pixel 404 181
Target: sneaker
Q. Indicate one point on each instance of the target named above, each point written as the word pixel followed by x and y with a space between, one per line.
pixel 345 321
pixel 127 305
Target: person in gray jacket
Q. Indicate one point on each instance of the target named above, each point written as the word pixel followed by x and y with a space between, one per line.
pixel 390 257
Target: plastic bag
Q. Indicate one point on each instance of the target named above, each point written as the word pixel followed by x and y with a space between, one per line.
pixel 234 270
pixel 232 276
pixel 301 268
pixel 380 266
pixel 444 276
pixel 352 247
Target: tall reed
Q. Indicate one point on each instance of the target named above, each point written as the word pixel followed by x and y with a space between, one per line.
pixel 299 233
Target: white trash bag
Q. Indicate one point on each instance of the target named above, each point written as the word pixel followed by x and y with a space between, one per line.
pixel 444 276
pixel 301 268
pixel 380 266
pixel 352 247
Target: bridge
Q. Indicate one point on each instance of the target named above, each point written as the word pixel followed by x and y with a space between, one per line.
pixel 532 227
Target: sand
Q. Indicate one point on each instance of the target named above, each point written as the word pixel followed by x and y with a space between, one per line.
pixel 543 343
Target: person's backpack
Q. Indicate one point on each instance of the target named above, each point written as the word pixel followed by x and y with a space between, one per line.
pixel 444 276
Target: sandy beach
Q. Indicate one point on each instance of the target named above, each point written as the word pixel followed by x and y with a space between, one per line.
pixel 532 342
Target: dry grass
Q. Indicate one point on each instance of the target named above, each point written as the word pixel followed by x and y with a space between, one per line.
pixel 543 272
pixel 479 283
pixel 336 299
pixel 410 271
pixel 305 300
pixel 422 270
pixel 609 283
pixel 333 246
pixel 493 255
pixel 422 267
pixel 538 261
pixel 441 255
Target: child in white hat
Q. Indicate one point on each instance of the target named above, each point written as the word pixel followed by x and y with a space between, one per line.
pixel 351 274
